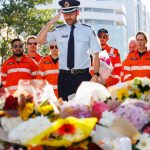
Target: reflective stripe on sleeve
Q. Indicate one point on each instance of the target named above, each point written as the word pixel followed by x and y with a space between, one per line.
pixel 34 73
pixel 117 65
pixel 136 68
pixel 40 73
pixel 4 75
pixel 51 72
pixel 116 76
pixel 127 76
pixel 19 70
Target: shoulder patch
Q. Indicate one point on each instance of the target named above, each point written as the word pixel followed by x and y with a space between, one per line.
pixel 59 26
pixel 86 25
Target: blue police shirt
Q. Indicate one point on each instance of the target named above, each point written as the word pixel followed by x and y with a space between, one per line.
pixel 86 43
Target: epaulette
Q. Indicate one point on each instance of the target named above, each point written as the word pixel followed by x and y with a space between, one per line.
pixel 86 25
pixel 62 25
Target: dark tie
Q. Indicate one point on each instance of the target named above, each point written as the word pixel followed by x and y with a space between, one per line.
pixel 70 56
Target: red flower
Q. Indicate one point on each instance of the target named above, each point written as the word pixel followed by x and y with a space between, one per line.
pixel 66 129
pixel 11 103
pixel 147 130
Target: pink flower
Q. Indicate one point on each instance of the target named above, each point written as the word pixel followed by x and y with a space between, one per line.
pixel 98 108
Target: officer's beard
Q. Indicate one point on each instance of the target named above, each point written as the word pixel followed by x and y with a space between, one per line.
pixel 18 55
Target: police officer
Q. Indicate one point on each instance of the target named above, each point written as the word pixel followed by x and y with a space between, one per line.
pixel 75 42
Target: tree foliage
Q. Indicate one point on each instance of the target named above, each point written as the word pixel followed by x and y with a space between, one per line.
pixel 20 17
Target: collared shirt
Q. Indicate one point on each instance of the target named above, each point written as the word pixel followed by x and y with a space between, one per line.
pixel 13 71
pixel 37 58
pixel 86 43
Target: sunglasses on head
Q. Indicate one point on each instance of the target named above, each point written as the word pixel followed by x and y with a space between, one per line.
pixel 30 43
pixel 19 46
pixel 53 46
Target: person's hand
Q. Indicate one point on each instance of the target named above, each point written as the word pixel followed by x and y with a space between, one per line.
pixel 53 20
pixel 94 78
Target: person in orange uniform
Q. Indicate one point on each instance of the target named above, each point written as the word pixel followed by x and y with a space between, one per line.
pixel 48 67
pixel 132 47
pixel 137 63
pixel 132 44
pixel 32 47
pixel 114 56
pixel 18 66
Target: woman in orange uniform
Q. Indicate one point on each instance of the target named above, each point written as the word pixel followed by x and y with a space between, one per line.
pixel 48 67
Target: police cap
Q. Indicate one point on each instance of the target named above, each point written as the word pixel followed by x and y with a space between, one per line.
pixel 102 30
pixel 69 5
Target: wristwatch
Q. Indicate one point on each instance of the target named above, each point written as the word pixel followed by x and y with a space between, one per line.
pixel 96 73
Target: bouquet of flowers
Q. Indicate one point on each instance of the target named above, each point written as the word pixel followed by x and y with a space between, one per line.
pixel 138 88
pixel 105 65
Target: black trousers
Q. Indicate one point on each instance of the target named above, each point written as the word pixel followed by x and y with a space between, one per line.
pixel 68 83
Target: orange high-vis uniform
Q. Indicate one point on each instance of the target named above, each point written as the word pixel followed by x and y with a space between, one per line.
pixel 13 71
pixel 116 63
pixel 48 70
pixel 37 58
pixel 136 66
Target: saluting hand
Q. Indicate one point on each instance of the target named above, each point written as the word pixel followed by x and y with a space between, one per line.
pixel 53 20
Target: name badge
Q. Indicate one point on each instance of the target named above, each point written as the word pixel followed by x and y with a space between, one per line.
pixel 11 63
pixel 133 58
pixel 64 36
pixel 147 58
pixel 47 62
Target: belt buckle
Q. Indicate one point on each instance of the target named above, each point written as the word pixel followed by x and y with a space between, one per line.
pixel 73 72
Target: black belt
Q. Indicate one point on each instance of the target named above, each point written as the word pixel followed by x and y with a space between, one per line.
pixel 74 71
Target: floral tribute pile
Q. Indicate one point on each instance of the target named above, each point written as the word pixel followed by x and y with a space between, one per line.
pixel 90 121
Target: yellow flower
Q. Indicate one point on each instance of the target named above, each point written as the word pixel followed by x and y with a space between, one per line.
pixel 44 110
pixel 27 111
pixel 122 93
pixel 137 92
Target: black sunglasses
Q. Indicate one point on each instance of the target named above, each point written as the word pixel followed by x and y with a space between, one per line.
pixel 19 46
pixel 34 43
pixel 53 46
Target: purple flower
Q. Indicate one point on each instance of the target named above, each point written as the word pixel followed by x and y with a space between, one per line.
pixel 136 115
pixel 78 111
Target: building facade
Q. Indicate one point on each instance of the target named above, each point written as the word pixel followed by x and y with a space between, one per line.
pixel 122 18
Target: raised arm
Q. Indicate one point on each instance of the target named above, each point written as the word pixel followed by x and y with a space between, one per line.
pixel 41 38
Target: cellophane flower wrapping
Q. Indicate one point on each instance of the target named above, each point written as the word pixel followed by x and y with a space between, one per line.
pixel 105 65
pixel 28 129
pixel 64 132
pixel 90 90
pixel 39 91
pixel 138 88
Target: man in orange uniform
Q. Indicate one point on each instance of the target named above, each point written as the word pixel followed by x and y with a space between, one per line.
pixel 18 66
pixel 48 67
pixel 114 56
pixel 32 47
pixel 137 63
